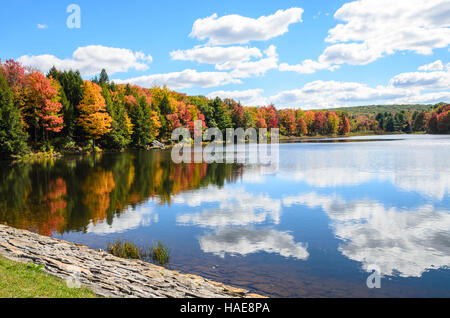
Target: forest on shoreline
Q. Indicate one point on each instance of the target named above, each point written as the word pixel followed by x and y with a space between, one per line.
pixel 60 111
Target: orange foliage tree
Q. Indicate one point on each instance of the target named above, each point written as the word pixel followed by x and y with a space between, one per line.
pixel 94 119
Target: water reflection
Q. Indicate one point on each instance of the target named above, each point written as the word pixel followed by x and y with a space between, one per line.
pixel 242 241
pixel 417 163
pixel 404 242
pixel 327 213
pixel 92 193
pixel 235 207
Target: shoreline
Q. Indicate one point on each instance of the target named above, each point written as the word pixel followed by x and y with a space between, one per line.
pixel 107 275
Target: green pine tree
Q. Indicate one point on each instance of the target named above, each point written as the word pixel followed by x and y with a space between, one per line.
pixel 140 117
pixel 118 137
pixel 13 140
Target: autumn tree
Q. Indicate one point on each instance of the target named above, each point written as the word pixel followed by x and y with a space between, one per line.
pixel 94 119
pixel 309 118
pixel 42 110
pixel 320 123
pixel 302 128
pixel 332 123
pixel 420 122
pixel 344 127
pixel 288 125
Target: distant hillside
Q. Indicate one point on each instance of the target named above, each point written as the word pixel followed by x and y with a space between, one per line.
pixel 373 110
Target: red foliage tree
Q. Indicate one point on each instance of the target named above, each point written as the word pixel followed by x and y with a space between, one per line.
pixel 344 127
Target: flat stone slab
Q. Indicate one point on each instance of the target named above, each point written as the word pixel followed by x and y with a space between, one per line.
pixel 105 274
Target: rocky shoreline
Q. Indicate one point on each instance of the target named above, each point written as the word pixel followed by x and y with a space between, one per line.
pixel 105 274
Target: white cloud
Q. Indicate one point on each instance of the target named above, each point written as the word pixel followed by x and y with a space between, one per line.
pixel 306 67
pixel 239 67
pixel 184 79
pixel 42 26
pixel 435 66
pixel 372 29
pixel 232 29
pixel 244 69
pixel 404 242
pixel 246 97
pixel 237 60
pixel 422 80
pixel 324 94
pixel 241 241
pixel 90 60
pixel 404 88
pixel 216 54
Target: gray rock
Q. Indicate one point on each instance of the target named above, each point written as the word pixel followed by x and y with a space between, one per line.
pixel 105 274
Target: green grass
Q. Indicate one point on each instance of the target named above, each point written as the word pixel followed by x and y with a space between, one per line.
pixel 159 253
pixel 125 250
pixel 19 280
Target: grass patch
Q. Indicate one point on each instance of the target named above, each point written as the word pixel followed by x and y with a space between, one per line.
pixel 19 280
pixel 125 250
pixel 158 253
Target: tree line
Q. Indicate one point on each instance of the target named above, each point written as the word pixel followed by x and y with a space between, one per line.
pixel 60 110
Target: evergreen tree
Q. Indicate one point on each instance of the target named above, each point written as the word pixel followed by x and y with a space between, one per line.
pixel 104 79
pixel 12 138
pixel 207 110
pixel 165 106
pixel 72 85
pixel 121 129
pixel 140 117
pixel 221 116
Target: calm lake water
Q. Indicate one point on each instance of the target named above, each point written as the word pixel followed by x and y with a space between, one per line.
pixel 311 228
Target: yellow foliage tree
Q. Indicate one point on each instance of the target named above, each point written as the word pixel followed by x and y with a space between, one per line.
pixel 94 119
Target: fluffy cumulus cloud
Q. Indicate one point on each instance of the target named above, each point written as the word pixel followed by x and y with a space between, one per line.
pixel 217 54
pixel 422 80
pixel 404 242
pixel 233 64
pixel 321 94
pixel 90 60
pixel 238 61
pixel 242 241
pixel 369 31
pixel 244 69
pixel 246 97
pixel 411 87
pixel 435 66
pixel 236 29
pixel 184 79
pixel 306 67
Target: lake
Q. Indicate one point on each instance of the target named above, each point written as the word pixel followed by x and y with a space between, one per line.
pixel 315 227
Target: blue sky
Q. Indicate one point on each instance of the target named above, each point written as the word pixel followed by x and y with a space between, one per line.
pixel 309 54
